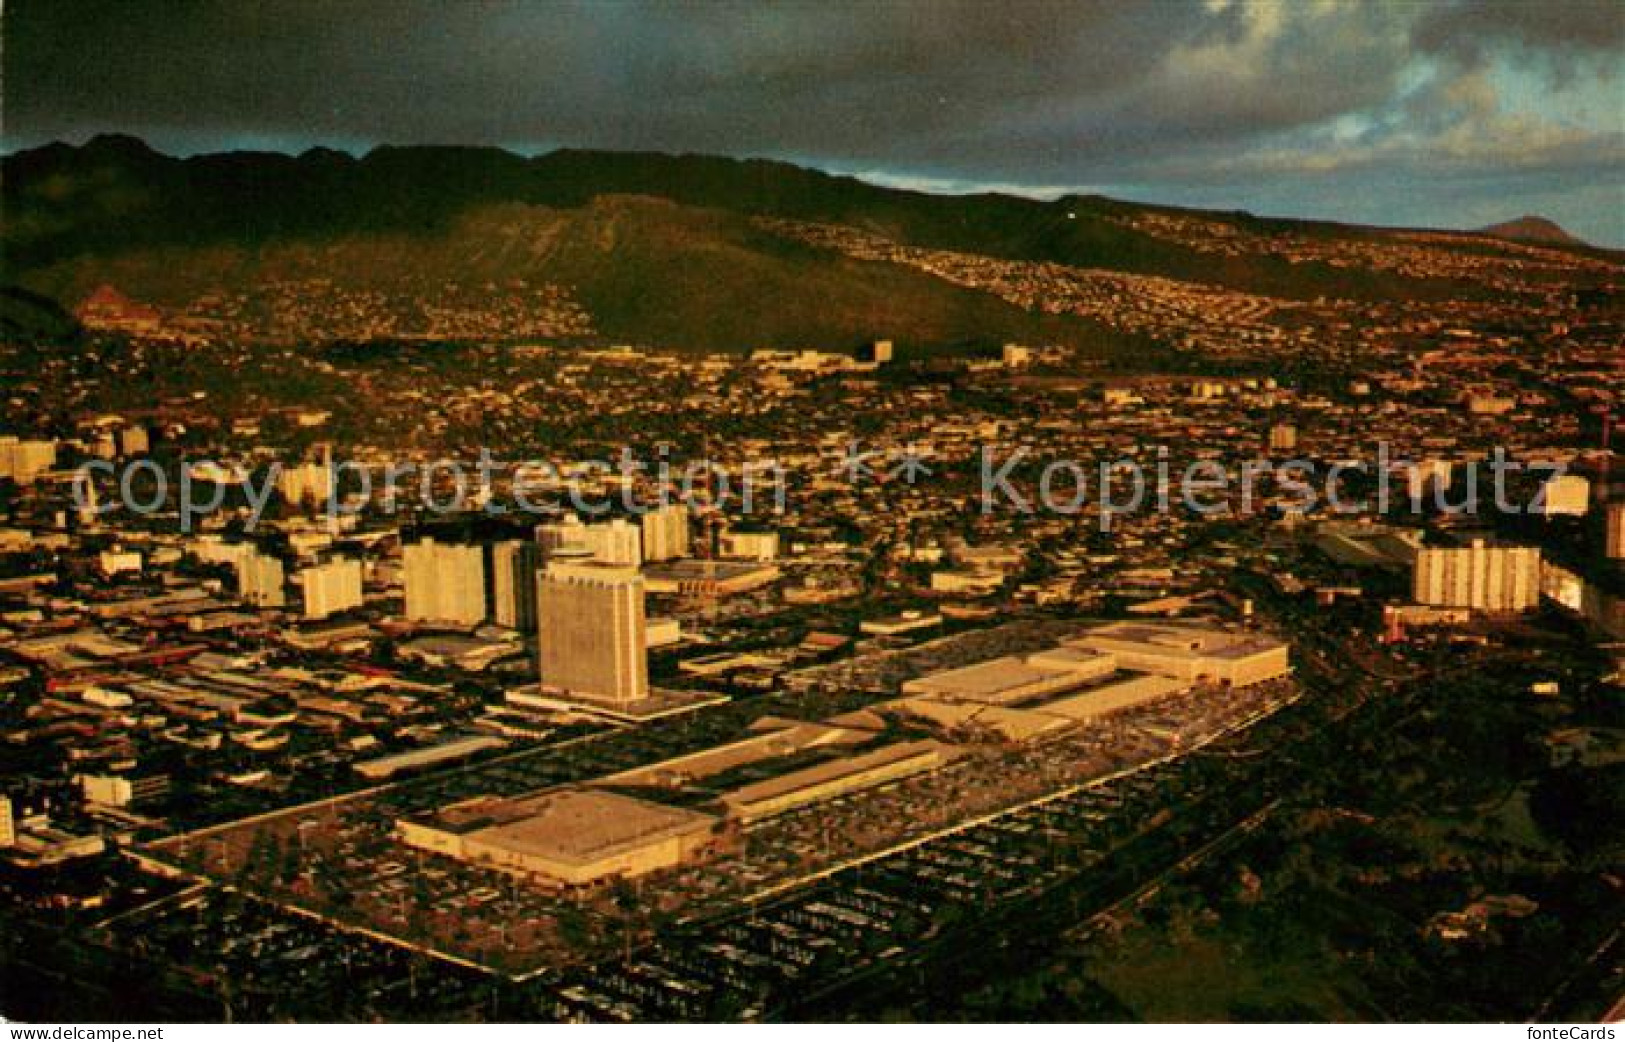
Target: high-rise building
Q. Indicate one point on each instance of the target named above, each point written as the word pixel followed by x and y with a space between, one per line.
pixel 1283 437
pixel 212 549
pixel 513 583
pixel 612 542
pixel 23 461
pixel 592 638
pixel 260 578
pixel 1567 495
pixel 331 587
pixel 8 827
pixel 1614 547
pixel 445 582
pixel 305 484
pixel 665 533
pixel 133 441
pixel 1479 576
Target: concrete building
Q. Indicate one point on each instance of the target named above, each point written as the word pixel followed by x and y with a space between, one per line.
pixel 1190 653
pixel 901 623
pixel 1614 546
pixel 331 587
pixel 666 533
pixel 965 581
pixel 612 542
pixel 117 562
pixel 23 461
pixel 696 578
pixel 1061 709
pixel 133 441
pixel 750 546
pixel 837 777
pixel 305 484
pixel 260 579
pixel 113 790
pixel 450 751
pixel 1567 495
pixel 1015 679
pixel 663 632
pixel 568 837
pixel 514 563
pixel 1479 576
pixel 445 582
pixel 592 637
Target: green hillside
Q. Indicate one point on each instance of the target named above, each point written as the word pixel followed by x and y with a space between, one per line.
pixel 633 247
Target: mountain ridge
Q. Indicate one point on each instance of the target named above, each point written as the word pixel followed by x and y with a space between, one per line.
pixel 694 270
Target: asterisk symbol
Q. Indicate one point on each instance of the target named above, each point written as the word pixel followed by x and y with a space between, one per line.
pixel 910 464
pixel 855 463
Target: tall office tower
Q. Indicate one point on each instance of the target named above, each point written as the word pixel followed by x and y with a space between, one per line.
pixel 1615 545
pixel 133 441
pixel 23 461
pixel 665 533
pixel 612 542
pixel 1567 495
pixel 331 587
pixel 591 634
pixel 616 542
pixel 8 828
pixel 305 484
pixel 445 582
pixel 1283 437
pixel 513 583
pixel 259 579
pixel 1482 577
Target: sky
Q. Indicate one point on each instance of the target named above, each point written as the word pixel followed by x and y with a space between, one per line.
pixel 1455 113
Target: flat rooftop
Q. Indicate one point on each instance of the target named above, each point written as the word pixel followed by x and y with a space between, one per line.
pixel 985 681
pixel 922 754
pixel 690 568
pixel 777 739
pixel 385 766
pixel 1178 641
pixel 583 826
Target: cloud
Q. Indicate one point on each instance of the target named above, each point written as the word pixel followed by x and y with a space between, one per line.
pixel 1180 93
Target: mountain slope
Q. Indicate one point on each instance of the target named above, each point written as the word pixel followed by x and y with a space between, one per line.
pixel 1533 229
pixel 645 270
pixel 445 242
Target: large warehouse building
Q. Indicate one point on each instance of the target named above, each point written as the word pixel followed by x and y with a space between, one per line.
pixel 571 837
pixel 1014 679
pixel 1189 652
pixel 1110 669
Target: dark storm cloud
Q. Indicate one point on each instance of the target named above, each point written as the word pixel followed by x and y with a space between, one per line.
pixel 1577 28
pixel 1032 92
